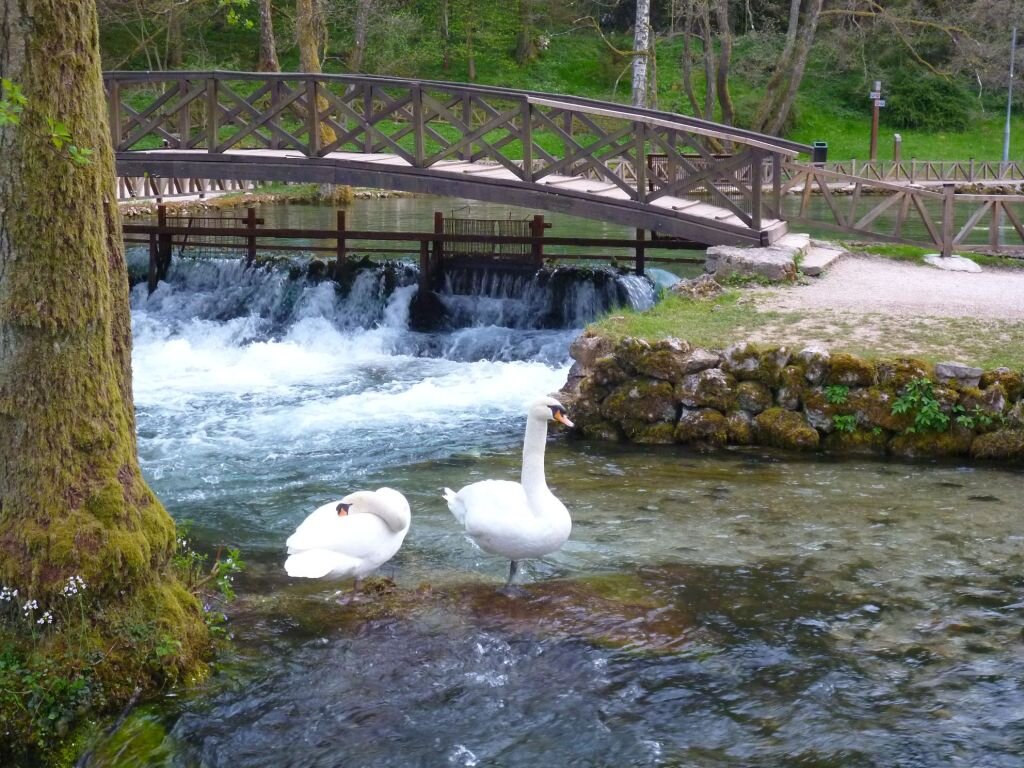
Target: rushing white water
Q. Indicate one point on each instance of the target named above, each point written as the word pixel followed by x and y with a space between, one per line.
pixel 260 392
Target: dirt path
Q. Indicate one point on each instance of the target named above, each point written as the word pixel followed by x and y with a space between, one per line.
pixel 878 307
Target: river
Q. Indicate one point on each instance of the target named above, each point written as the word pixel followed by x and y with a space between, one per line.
pixel 741 608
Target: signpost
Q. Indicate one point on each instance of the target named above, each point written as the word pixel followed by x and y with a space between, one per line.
pixel 877 102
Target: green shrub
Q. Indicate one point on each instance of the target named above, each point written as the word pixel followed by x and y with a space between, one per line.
pixel 916 99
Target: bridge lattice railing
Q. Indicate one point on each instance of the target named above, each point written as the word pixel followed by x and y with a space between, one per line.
pixel 537 137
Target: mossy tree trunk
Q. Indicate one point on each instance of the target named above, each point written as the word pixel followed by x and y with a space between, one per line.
pixel 72 499
pixel 311 35
pixel 268 47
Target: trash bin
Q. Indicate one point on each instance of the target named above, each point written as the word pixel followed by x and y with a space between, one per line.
pixel 819 152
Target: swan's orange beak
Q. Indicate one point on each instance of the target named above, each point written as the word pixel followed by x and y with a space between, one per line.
pixel 343 509
pixel 562 418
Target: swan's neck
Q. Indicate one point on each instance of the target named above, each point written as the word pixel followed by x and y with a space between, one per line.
pixel 533 457
pixel 394 518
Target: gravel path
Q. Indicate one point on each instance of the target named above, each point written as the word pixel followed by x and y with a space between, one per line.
pixel 868 284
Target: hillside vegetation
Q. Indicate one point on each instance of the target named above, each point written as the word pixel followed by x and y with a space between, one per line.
pixel 944 80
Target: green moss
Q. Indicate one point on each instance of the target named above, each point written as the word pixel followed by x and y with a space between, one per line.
pixel 739 428
pixel 1003 444
pixel 141 740
pixel 955 442
pixel 873 408
pixel 602 429
pixel 710 388
pixel 647 400
pixel 702 426
pixel 1011 381
pixel 792 385
pixel 901 371
pixel 850 371
pixel 860 442
pixel 649 434
pixel 785 429
pixel 753 396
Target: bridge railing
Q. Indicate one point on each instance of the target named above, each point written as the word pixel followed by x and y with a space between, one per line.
pixel 427 124
pixel 918 171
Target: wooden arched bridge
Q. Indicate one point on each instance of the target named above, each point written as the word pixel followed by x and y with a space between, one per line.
pixel 659 171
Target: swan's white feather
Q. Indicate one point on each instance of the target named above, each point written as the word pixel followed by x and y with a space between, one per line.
pixel 317 563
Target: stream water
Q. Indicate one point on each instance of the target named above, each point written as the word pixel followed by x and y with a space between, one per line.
pixel 745 608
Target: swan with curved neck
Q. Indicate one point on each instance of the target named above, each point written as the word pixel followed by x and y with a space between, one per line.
pixel 350 537
pixel 517 520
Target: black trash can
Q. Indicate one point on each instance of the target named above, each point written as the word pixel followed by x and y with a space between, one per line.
pixel 819 152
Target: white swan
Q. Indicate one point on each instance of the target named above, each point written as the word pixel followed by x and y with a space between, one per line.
pixel 351 537
pixel 517 520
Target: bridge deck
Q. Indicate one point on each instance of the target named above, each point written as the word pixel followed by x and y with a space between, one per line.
pixel 594 198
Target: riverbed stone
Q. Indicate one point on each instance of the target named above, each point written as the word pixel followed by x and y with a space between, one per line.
pixel 739 426
pixel 919 445
pixel 647 400
pixel 602 429
pixel 1011 381
pixel 710 388
pixel 860 442
pixel 815 360
pixel 850 370
pixel 818 411
pixel 702 425
pixel 753 396
pixel 791 388
pixel 785 429
pixel 958 373
pixel 901 371
pixel 667 359
pixel 607 372
pixel 1004 444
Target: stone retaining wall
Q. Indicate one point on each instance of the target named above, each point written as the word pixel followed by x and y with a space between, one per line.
pixel 806 400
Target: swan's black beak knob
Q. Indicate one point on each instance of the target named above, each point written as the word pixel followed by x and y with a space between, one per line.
pixel 558 414
pixel 343 509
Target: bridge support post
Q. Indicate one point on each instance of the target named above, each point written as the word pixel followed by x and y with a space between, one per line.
pixel 438 248
pixel 537 228
pixel 163 249
pixel 948 198
pixel 250 240
pixel 641 251
pixel 152 279
pixel 756 184
pixel 340 256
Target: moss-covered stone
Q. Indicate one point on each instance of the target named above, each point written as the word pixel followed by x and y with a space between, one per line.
pixel 897 373
pixel 662 433
pixel 753 396
pixel 666 359
pixel 747 362
pixel 1015 416
pixel 990 401
pixel 815 361
pixel 647 400
pixel 785 429
pixel 601 429
pixel 818 411
pixel 607 372
pixel 791 387
pixel 701 426
pixel 873 408
pixel 1004 444
pixel 1011 381
pixel 629 351
pixel 850 371
pixel 739 426
pixel 918 445
pixel 711 388
pixel 860 442
pixel 701 359
pixel 587 348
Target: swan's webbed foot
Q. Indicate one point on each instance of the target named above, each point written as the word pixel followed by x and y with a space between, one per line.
pixel 513 566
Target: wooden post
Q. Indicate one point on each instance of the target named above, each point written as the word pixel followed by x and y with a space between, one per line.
pixel 114 112
pixel 275 99
pixel 640 165
pixel 312 119
pixel 153 268
pixel 438 246
pixel 997 222
pixel 776 186
pixel 184 118
pixel 339 259
pixel 970 172
pixel 250 241
pixel 417 119
pixel 212 115
pixel 163 256
pixel 425 275
pixel 526 138
pixel 367 119
pixel 537 245
pixel 640 251
pixel 948 197
pixel 756 182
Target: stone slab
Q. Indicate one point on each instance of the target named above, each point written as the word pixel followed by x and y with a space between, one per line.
pixel 817 259
pixel 951 263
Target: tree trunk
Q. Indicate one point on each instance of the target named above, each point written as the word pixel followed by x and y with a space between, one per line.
pixel 724 61
pixel 268 46
pixel 446 38
pixel 362 26
pixel 526 49
pixel 72 499
pixel 470 53
pixel 311 36
pixel 174 42
pixel 641 50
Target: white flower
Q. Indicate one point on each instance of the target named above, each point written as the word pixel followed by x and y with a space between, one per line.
pixel 46 618
pixel 29 606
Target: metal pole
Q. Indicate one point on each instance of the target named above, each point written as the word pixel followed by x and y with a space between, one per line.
pixel 997 219
pixel 873 154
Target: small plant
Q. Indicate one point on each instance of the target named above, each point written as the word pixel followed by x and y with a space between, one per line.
pixel 976 418
pixel 919 400
pixel 837 394
pixel 845 423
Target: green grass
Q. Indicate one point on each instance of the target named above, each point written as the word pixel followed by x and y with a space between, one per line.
pixel 914 254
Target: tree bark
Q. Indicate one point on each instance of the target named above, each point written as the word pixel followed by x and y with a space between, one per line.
pixel 724 61
pixel 641 50
pixel 362 25
pixel 175 43
pixel 72 498
pixel 526 49
pixel 446 38
pixel 268 46
pixel 311 35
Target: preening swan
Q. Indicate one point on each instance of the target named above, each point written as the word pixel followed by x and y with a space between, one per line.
pixel 351 537
pixel 517 520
